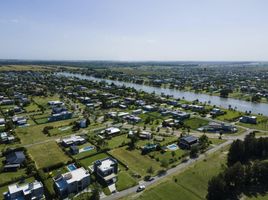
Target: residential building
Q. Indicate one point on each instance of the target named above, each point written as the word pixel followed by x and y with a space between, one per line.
pixel 248 119
pixel 111 131
pixel 187 142
pixel 71 182
pixel 73 140
pixel 106 170
pixel 14 160
pixel 29 191
pixel 60 116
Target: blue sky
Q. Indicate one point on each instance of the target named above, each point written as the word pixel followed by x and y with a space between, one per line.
pixel 134 29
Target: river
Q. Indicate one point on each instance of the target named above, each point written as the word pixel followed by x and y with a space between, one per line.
pixel 241 105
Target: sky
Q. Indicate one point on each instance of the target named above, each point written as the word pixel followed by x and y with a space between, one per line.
pixel 134 30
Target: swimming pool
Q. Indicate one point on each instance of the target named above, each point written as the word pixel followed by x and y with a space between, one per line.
pixel 88 148
pixel 71 167
pixel 172 147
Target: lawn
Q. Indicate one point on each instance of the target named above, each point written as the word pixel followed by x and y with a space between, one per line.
pixel 195 123
pixel 44 100
pixel 190 184
pixel 47 154
pixel 125 181
pixel 258 197
pixel 31 108
pixel 117 141
pixel 171 158
pixel 135 161
pixel 230 116
pixel 90 160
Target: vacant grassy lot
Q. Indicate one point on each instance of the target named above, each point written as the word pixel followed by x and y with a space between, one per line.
pixel 135 161
pixel 117 141
pixel 125 181
pixel 44 100
pixel 230 116
pixel 172 158
pixel 47 154
pixel 33 134
pixel 190 184
pixel 31 108
pixel 195 123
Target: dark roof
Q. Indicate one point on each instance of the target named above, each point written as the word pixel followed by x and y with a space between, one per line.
pixel 15 157
pixel 189 139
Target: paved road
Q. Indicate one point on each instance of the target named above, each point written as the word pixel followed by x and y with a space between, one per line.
pixel 181 167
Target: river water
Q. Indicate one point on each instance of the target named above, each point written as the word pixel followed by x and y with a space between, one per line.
pixel 241 105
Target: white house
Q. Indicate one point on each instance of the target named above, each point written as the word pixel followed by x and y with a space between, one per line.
pixel 72 182
pixel 32 190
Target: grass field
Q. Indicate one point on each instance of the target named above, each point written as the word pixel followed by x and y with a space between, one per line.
pixel 190 184
pixel 117 141
pixel 195 123
pixel 33 134
pixel 47 154
pixel 24 68
pixel 135 161
pixel 172 160
pixel 229 116
pixel 44 100
pixel 125 181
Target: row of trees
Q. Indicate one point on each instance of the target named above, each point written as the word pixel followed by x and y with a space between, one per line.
pixel 246 173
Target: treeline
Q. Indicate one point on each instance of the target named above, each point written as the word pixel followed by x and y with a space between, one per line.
pixel 247 171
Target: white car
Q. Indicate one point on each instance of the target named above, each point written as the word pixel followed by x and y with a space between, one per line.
pixel 140 188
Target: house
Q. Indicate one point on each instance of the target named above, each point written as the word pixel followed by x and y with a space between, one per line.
pixel 137 112
pixel 187 142
pixel 196 108
pixel 132 118
pixel 73 140
pixel 55 103
pixel 248 119
pixel 111 131
pixel 106 170
pixel 149 148
pixel 7 102
pixel 34 190
pixel 14 160
pixel 170 123
pixel 218 127
pixel 74 149
pixel 216 112
pixel 71 182
pixel 6 138
pixel 19 120
pixel 149 108
pixel 60 116
pixel 58 109
pixel 145 135
pixel 2 121
pixel 83 123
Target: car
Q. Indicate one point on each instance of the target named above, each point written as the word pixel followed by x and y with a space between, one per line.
pixel 140 188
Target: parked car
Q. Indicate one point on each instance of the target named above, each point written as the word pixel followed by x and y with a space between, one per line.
pixel 140 188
